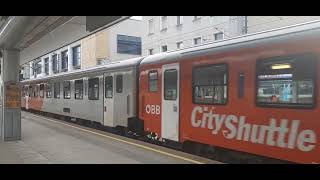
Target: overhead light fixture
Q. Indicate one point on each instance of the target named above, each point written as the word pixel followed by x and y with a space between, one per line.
pixel 281 66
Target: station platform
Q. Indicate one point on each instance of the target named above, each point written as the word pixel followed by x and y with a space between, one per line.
pixel 50 141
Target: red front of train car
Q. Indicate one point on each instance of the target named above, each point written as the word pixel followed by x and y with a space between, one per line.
pixel 261 100
pixel 32 97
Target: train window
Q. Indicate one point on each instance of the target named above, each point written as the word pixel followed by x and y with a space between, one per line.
pixel 36 92
pixel 170 84
pixel 30 91
pixel 66 90
pixel 48 90
pixel 56 92
pixel 23 92
pixel 286 81
pixel 85 83
pixel 26 91
pixel 93 92
pixel 78 93
pixel 210 84
pixel 108 87
pixel 119 83
pixel 42 90
pixel 153 81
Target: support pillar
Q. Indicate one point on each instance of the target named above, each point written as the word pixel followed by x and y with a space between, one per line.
pixel 10 110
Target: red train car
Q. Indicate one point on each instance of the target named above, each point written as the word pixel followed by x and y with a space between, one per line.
pixel 32 97
pixel 256 94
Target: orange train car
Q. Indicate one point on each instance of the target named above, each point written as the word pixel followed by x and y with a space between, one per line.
pixel 32 97
pixel 256 94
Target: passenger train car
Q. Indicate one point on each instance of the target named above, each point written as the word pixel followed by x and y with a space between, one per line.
pixel 105 94
pixel 255 94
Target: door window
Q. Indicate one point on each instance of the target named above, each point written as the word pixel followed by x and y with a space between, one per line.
pixel 170 84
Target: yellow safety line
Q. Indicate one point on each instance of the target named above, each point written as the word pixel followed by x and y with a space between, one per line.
pixel 131 143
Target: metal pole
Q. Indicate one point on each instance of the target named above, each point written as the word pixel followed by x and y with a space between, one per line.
pixel 246 24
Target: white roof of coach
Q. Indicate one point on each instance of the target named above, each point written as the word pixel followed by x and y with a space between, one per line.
pixel 110 66
pixel 297 31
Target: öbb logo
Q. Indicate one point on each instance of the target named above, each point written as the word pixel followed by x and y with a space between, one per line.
pixel 234 127
pixel 152 109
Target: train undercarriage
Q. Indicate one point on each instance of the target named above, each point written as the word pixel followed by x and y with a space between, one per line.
pixel 195 148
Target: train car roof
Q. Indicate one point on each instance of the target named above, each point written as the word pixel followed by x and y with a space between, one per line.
pixel 294 32
pixel 110 66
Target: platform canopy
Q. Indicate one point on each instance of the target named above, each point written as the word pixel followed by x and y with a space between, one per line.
pixel 19 32
pixel 95 22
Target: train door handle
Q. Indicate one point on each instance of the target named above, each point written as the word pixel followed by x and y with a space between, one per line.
pixel 105 108
pixel 175 108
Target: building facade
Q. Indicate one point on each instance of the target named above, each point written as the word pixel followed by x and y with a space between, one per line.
pixel 263 23
pixel 166 33
pixel 119 42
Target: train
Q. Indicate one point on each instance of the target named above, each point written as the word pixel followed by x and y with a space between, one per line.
pixel 252 98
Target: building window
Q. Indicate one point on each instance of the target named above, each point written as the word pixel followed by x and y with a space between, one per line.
pixel 196 18
pixel 151 26
pixel 108 87
pixel 218 36
pixel 119 83
pixel 286 81
pixel 170 84
pixel 197 41
pixel 163 23
pixel 56 92
pixel 93 92
pixel 78 89
pixel 209 84
pixel 37 67
pixel 76 57
pixel 153 81
pixel 66 90
pixel 150 51
pixel 179 45
pixel 46 65
pixel 48 90
pixel 179 20
pixel 55 64
pixel 128 45
pixel 42 90
pixel 164 48
pixel 64 59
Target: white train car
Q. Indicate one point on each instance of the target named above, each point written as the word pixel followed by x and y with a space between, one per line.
pixel 104 94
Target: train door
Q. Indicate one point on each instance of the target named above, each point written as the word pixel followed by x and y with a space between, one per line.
pixel 108 99
pixel 170 102
pixel 26 96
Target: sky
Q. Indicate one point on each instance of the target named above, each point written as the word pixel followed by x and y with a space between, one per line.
pixel 136 17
